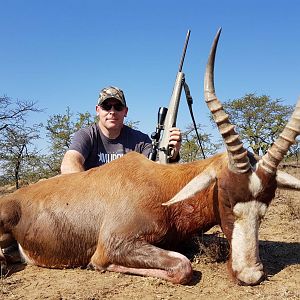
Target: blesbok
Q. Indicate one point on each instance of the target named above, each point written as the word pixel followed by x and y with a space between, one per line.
pixel 119 217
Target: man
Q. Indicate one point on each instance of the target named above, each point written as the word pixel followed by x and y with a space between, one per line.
pixel 109 138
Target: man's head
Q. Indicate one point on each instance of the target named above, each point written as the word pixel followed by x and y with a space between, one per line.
pixel 111 92
pixel 111 110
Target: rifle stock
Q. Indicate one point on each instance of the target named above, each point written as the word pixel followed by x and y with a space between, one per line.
pixel 164 151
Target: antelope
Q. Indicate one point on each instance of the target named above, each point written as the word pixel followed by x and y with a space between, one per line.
pixel 127 215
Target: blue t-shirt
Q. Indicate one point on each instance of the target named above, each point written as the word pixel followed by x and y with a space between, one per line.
pixel 97 149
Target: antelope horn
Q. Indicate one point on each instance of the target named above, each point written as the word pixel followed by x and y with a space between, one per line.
pixel 238 159
pixel 280 147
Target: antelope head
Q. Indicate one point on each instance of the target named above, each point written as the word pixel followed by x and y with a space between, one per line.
pixel 244 189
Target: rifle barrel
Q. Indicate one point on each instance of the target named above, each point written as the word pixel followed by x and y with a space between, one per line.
pixel 184 50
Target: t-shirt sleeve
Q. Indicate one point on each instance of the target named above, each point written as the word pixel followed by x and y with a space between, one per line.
pixel 146 148
pixel 143 143
pixel 81 142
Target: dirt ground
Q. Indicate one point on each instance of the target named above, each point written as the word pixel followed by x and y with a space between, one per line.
pixel 279 251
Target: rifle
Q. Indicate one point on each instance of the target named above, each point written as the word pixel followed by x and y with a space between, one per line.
pixel 167 117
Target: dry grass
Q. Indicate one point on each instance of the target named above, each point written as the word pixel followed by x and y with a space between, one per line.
pixel 212 248
pixel 207 248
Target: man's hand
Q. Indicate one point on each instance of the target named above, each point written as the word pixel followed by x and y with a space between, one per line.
pixel 175 142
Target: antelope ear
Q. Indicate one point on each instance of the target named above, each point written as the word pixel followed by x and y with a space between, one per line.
pixel 196 185
pixel 287 181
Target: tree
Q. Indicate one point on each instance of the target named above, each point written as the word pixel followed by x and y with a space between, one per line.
pixel 16 138
pixel 13 113
pixel 190 148
pixel 294 151
pixel 15 150
pixel 259 119
pixel 60 128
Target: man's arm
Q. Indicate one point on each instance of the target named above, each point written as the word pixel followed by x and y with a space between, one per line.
pixel 72 162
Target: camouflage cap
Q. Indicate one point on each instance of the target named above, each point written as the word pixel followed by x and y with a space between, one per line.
pixel 111 92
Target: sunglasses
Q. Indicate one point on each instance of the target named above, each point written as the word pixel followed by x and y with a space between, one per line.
pixel 108 106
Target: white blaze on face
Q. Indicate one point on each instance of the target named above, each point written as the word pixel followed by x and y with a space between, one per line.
pixel 245 256
pixel 255 185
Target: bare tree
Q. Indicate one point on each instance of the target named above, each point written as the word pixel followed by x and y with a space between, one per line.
pixel 14 112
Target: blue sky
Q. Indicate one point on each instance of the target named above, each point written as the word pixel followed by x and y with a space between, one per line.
pixel 61 53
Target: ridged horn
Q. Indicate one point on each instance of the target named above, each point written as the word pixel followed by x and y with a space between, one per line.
pixel 238 159
pixel 280 147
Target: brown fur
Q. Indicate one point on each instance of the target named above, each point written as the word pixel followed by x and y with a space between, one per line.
pixel 111 217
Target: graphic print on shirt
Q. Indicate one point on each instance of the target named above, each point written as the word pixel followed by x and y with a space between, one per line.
pixel 108 157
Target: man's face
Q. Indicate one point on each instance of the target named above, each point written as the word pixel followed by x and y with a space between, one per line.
pixel 111 114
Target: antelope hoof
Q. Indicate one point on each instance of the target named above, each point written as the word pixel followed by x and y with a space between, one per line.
pixel 94 267
pixel 3 268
